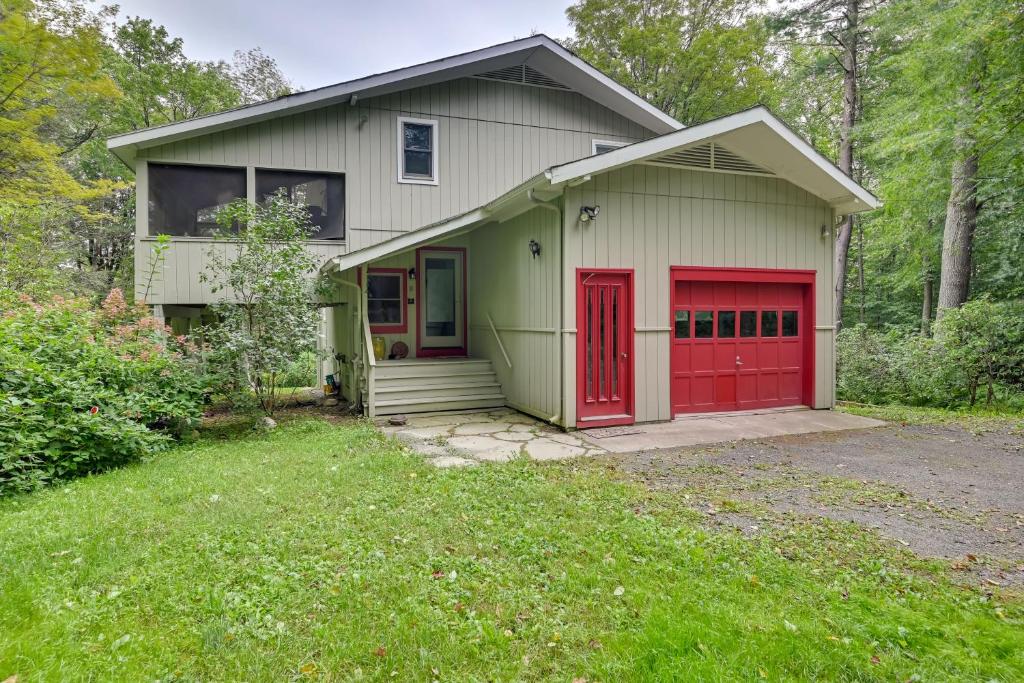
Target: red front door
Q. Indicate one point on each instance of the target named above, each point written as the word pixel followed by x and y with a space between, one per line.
pixel 740 340
pixel 604 351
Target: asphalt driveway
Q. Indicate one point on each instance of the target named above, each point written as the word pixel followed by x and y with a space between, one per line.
pixel 943 491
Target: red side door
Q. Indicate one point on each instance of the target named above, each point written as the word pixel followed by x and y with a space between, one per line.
pixel 740 345
pixel 604 351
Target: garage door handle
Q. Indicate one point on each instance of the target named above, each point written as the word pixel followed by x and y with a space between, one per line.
pixel 738 361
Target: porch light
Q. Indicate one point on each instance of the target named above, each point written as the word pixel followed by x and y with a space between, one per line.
pixel 412 273
pixel 534 248
pixel 589 213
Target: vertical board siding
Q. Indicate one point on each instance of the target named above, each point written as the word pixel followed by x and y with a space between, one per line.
pixel 653 218
pixel 521 294
pixel 492 136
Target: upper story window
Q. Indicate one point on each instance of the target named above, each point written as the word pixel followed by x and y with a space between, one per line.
pixel 417 151
pixel 602 146
pixel 184 200
pixel 323 195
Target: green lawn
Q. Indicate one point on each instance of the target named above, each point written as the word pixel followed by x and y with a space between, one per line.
pixel 323 551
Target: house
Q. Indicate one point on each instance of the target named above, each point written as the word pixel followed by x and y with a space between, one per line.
pixel 521 230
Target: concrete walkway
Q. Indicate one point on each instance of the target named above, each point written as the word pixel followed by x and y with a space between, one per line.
pixel 723 427
pixel 472 437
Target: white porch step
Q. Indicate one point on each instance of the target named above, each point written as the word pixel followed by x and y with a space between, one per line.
pixel 432 385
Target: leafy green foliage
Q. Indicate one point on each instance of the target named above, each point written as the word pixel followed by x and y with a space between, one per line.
pixel 266 278
pixel 82 390
pixel 980 345
pixel 694 59
pixel 324 549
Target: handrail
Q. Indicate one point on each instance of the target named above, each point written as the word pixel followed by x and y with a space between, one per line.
pixel 501 346
pixel 371 364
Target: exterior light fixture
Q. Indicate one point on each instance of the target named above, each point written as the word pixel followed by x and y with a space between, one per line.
pixel 412 273
pixel 534 248
pixel 589 213
pixel 826 231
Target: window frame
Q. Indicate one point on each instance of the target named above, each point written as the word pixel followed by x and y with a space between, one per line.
pixel 150 164
pixel 256 170
pixel 390 328
pixel 615 144
pixel 418 180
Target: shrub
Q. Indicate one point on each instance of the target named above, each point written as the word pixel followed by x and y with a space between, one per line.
pixel 980 345
pixel 84 389
pixel 268 317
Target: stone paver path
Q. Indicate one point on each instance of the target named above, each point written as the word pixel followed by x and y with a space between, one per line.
pixel 461 439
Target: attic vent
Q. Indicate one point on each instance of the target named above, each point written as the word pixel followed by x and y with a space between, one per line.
pixel 521 73
pixel 711 156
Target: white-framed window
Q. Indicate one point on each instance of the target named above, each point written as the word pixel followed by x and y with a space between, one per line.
pixel 417 151
pixel 602 146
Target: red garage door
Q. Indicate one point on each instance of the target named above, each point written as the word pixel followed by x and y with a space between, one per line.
pixel 741 339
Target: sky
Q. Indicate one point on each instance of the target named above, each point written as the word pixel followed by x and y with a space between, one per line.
pixel 319 43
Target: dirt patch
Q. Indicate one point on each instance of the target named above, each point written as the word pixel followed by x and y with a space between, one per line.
pixel 942 491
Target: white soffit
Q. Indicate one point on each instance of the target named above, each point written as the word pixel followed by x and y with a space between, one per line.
pixel 539 52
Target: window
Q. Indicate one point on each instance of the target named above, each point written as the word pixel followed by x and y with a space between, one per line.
pixel 602 146
pixel 385 300
pixel 682 324
pixel 726 324
pixel 769 323
pixel 748 323
pixel 417 151
pixel 704 324
pixel 789 324
pixel 184 200
pixel 322 194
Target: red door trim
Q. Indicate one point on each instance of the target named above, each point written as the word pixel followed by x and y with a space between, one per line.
pixel 581 369
pixel 441 352
pixel 768 275
pixel 402 327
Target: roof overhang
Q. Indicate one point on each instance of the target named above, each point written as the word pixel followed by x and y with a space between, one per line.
pixel 756 134
pixel 539 51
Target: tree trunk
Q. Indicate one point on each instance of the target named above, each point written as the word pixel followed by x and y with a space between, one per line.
pixel 958 234
pixel 842 246
pixel 926 300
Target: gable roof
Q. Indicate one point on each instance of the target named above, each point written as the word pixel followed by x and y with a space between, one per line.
pixel 539 52
pixel 755 135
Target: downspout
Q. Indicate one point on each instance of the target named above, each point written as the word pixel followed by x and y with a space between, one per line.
pixel 558 209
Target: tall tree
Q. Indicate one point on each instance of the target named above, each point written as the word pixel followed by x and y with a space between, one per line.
pixel 831 35
pixel 695 59
pixel 257 76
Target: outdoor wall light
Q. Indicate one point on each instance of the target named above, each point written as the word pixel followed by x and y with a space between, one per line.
pixel 825 231
pixel 589 213
pixel 412 273
pixel 534 248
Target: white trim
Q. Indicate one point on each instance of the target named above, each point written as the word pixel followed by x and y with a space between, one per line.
pixel 417 180
pixel 655 147
pixel 580 76
pixel 606 143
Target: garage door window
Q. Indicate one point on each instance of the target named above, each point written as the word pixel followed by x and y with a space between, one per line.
pixel 769 323
pixel 704 325
pixel 748 323
pixel 682 324
pixel 726 324
pixel 789 324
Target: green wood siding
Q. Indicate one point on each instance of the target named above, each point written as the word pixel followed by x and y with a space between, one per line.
pixel 653 218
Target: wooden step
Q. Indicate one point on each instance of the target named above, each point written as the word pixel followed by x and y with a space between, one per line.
pixel 430 405
pixel 437 392
pixel 466 378
pixel 419 368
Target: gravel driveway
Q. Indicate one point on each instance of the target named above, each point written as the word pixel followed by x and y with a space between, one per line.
pixel 942 490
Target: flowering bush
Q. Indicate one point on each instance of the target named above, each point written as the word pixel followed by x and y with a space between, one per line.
pixel 83 389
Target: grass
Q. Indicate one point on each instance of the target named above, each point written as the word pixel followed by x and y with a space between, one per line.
pixel 322 551
pixel 979 417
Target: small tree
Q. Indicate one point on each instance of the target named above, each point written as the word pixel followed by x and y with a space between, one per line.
pixel 268 316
